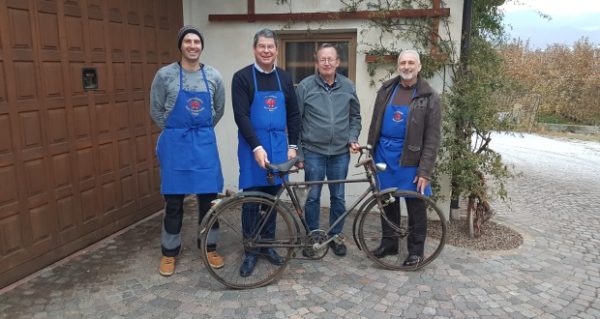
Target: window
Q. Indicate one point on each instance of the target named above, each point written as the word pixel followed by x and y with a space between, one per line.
pixel 296 52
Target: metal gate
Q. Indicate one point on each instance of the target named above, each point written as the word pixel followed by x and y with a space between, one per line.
pixel 76 142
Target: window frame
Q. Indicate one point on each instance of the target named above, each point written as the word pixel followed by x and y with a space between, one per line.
pixel 333 35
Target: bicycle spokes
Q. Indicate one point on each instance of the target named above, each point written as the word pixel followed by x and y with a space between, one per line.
pixel 389 237
pixel 256 237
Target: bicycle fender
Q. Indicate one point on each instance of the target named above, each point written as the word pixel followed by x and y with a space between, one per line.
pixel 254 194
pixel 362 208
pixel 271 198
pixel 251 194
pixel 228 199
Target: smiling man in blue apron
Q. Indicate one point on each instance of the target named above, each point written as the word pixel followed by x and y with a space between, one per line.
pixel 405 130
pixel 187 100
pixel 264 107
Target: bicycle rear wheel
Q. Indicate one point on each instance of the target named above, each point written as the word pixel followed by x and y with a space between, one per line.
pixel 401 237
pixel 232 245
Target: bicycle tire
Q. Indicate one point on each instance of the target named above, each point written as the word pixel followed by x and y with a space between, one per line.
pixel 232 246
pixel 370 234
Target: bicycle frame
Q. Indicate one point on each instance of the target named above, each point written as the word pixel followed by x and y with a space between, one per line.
pixel 288 187
pixel 370 227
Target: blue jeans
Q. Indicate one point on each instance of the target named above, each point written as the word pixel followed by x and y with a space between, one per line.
pixel 316 168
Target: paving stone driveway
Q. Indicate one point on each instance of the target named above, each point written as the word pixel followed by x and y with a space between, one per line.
pixel 555 274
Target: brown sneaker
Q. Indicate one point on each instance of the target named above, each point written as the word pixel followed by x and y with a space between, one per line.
pixel 167 266
pixel 214 259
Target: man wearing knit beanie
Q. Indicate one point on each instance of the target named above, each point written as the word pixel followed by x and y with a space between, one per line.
pixel 188 29
pixel 187 100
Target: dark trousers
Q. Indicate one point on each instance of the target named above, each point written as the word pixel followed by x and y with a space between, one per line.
pixel 253 216
pixel 417 225
pixel 173 219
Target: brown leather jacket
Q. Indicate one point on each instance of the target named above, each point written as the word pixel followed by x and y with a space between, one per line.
pixel 422 131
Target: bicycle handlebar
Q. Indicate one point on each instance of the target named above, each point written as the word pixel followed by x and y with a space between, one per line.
pixel 363 162
pixel 287 167
pixel 366 149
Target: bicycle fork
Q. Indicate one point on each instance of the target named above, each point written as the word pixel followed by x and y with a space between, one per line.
pixel 384 199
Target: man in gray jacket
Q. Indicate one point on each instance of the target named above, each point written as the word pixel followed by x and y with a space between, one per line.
pixel 330 114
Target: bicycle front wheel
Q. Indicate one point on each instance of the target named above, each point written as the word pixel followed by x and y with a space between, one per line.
pixel 411 226
pixel 260 239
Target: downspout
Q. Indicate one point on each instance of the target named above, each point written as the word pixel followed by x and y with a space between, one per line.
pixel 465 39
pixel 465 47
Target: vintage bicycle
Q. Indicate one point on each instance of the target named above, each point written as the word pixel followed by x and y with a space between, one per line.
pixel 292 234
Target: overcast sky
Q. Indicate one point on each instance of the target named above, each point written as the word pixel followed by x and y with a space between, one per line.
pixel 570 20
pixel 555 7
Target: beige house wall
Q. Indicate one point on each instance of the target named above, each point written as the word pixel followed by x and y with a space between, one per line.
pixel 228 47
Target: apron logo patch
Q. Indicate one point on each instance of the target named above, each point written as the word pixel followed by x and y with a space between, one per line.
pixel 398 117
pixel 194 105
pixel 270 103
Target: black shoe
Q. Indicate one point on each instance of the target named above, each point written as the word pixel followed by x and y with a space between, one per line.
pixel 338 249
pixel 412 260
pixel 308 252
pixel 273 257
pixel 383 251
pixel 248 265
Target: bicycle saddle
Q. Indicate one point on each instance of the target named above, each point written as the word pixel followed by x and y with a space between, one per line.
pixel 283 167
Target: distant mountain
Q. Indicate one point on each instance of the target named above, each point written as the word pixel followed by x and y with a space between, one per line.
pixel 560 29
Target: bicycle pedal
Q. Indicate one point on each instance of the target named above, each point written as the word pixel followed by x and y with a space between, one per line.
pixel 340 238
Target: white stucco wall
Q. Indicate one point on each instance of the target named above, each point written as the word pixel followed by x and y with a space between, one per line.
pixel 228 47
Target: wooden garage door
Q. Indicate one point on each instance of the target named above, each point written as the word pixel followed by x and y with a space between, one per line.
pixel 76 165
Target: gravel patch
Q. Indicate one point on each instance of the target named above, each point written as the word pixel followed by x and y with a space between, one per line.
pixel 494 236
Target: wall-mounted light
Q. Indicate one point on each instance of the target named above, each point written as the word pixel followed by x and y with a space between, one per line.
pixel 89 78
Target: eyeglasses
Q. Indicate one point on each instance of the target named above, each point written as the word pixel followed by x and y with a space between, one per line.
pixel 264 47
pixel 327 60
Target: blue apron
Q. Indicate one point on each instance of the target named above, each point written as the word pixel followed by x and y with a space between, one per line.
pixel 187 147
pixel 389 149
pixel 268 118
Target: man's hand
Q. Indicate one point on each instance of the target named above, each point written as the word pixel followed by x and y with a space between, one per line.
pixel 422 183
pixel 354 147
pixel 261 158
pixel 295 154
pixel 292 153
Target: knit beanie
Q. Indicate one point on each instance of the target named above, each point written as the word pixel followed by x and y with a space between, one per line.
pixel 185 30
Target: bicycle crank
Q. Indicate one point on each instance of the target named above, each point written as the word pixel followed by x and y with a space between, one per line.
pixel 315 247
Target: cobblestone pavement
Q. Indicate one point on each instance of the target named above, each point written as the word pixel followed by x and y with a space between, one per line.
pixel 555 274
